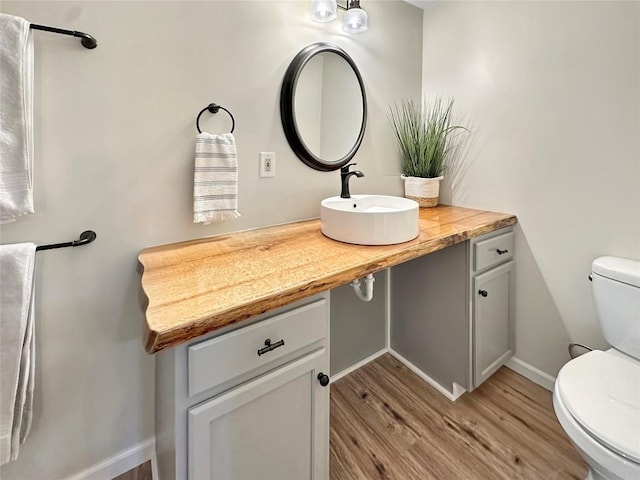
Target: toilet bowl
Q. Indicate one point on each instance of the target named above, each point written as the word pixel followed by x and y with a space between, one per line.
pixel 596 402
pixel 596 396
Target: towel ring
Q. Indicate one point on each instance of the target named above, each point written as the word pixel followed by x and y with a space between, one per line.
pixel 213 108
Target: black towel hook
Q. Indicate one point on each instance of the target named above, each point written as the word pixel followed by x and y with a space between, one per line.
pixel 213 108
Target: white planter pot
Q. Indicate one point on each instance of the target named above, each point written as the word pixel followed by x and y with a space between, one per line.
pixel 425 191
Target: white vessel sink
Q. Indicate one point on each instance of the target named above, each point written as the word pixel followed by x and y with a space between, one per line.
pixel 369 219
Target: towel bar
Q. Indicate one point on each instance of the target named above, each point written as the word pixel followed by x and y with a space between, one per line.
pixel 87 40
pixel 213 108
pixel 87 236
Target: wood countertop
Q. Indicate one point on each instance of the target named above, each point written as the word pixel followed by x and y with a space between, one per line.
pixel 199 286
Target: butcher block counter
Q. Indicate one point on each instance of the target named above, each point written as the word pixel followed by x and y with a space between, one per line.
pixel 197 287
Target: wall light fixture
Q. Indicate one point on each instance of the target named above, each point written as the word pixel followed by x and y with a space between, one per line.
pixel 355 18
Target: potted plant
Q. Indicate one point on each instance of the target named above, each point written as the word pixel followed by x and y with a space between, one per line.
pixel 427 139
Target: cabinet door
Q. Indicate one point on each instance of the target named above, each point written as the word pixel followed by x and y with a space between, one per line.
pixel 492 320
pixel 274 427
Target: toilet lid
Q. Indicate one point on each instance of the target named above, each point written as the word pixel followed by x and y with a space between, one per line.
pixel 602 392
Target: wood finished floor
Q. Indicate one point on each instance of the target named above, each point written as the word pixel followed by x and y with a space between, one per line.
pixel 141 472
pixel 387 423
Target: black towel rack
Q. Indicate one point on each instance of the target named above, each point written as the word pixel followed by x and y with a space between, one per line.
pixel 87 40
pixel 87 236
pixel 213 108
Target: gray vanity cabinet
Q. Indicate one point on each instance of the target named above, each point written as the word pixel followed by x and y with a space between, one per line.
pixel 492 294
pixel 492 321
pixel 272 427
pixel 249 402
pixel 452 311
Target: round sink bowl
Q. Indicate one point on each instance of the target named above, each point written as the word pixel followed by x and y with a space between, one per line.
pixel 369 219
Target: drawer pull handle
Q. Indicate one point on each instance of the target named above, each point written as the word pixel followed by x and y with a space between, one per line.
pixel 268 346
pixel 483 293
pixel 502 252
pixel 323 378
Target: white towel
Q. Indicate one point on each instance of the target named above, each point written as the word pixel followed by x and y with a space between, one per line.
pixel 215 180
pixel 16 118
pixel 17 346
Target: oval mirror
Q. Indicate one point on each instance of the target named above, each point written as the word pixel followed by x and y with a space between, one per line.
pixel 323 106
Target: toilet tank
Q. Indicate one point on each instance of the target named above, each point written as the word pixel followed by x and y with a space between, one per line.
pixel 616 291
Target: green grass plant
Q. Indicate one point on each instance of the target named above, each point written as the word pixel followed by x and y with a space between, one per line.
pixel 426 135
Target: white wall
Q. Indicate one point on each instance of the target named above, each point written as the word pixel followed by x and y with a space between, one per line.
pixel 114 152
pixel 553 92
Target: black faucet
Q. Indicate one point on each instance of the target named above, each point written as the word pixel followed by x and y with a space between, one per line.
pixel 344 178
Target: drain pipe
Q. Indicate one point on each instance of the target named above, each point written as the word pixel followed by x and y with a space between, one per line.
pixel 368 286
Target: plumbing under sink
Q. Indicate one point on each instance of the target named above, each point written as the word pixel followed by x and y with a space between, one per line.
pixel 369 219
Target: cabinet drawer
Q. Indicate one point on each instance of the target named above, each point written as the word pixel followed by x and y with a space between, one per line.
pixel 493 251
pixel 218 360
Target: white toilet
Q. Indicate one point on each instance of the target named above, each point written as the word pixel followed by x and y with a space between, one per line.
pixel 597 395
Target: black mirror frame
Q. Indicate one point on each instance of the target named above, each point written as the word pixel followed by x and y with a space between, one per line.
pixel 287 113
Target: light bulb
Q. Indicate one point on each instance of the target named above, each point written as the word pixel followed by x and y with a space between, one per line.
pixel 323 10
pixel 355 20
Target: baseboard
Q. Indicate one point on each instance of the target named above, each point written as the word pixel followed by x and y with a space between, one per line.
pixel 532 373
pixel 122 462
pixel 458 390
pixel 356 366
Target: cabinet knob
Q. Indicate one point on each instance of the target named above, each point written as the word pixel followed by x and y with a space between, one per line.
pixel 323 378
pixel 502 252
pixel 483 293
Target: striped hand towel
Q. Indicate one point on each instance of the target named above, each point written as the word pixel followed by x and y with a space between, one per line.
pixel 215 180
